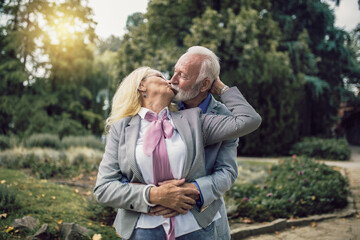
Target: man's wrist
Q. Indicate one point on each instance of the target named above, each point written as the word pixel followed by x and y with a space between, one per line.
pixel 224 89
pixel 200 200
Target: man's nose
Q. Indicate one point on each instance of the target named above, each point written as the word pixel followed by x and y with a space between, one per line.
pixel 174 80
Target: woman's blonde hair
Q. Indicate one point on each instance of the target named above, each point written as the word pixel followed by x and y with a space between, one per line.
pixel 127 99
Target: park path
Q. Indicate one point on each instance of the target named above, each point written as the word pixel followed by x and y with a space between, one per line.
pixel 333 229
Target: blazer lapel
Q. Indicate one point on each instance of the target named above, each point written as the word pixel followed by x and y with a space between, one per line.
pixel 131 133
pixel 183 127
pixel 213 107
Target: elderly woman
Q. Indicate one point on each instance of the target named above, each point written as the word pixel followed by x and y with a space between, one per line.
pixel 148 143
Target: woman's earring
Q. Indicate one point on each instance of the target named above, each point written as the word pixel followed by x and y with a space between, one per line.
pixel 144 95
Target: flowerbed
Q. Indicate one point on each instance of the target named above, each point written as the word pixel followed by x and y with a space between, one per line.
pixel 296 187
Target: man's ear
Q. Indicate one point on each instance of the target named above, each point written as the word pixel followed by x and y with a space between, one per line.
pixel 141 87
pixel 205 85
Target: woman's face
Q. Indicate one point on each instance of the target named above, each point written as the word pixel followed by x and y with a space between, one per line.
pixel 156 84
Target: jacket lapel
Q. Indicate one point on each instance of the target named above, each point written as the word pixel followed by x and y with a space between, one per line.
pixel 131 134
pixel 183 127
pixel 213 106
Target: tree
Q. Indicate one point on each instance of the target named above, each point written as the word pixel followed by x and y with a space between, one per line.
pixel 327 59
pixel 52 38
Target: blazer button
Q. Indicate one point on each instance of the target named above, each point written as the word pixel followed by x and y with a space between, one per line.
pixel 131 206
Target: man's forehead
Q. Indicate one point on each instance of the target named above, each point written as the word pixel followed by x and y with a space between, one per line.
pixel 189 61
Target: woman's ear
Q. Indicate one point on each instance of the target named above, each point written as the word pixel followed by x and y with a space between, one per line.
pixel 141 87
pixel 205 85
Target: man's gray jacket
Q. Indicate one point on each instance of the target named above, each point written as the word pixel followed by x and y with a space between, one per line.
pixel 221 171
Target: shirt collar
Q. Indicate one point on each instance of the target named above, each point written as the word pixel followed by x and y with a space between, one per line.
pixel 203 105
pixel 144 110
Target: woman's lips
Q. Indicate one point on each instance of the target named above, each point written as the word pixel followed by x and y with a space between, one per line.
pixel 174 90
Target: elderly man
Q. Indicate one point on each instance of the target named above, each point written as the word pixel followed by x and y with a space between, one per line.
pixel 194 74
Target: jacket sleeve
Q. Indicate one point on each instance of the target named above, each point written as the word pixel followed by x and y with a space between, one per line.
pixel 218 128
pixel 223 175
pixel 109 189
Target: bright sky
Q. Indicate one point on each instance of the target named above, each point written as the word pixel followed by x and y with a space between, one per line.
pixel 111 15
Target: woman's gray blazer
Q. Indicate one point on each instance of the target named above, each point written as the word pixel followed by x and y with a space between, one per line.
pixel 196 129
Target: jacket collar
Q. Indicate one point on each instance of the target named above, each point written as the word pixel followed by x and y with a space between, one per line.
pixel 213 106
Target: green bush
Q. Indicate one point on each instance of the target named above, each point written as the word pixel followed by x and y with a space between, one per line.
pixel 48 163
pixel 82 141
pixel 295 187
pixel 11 160
pixel 8 200
pixel 43 140
pixel 46 168
pixel 82 164
pixel 4 142
pixel 322 148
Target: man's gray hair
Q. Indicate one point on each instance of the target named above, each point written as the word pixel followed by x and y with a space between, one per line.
pixel 210 67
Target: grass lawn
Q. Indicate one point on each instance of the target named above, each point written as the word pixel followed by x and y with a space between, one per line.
pixel 49 203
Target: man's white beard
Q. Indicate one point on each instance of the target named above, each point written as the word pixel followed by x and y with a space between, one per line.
pixel 186 95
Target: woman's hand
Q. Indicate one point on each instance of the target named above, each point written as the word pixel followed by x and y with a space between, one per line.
pixel 173 196
pixel 163 211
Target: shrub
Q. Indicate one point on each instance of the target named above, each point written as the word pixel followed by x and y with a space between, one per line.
pixel 322 148
pixel 82 141
pixel 4 142
pixel 47 163
pixel 82 164
pixel 294 188
pixel 46 169
pixel 8 200
pixel 43 140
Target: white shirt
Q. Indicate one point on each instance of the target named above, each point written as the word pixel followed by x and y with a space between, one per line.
pixel 184 223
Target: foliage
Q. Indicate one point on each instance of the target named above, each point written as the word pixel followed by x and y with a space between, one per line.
pixel 295 187
pixel 82 141
pixel 4 142
pixel 47 64
pixel 324 59
pixel 45 168
pixel 48 163
pixel 43 140
pixel 320 148
pixel 8 200
pixel 49 203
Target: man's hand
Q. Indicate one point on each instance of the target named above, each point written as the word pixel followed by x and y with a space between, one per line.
pixel 172 196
